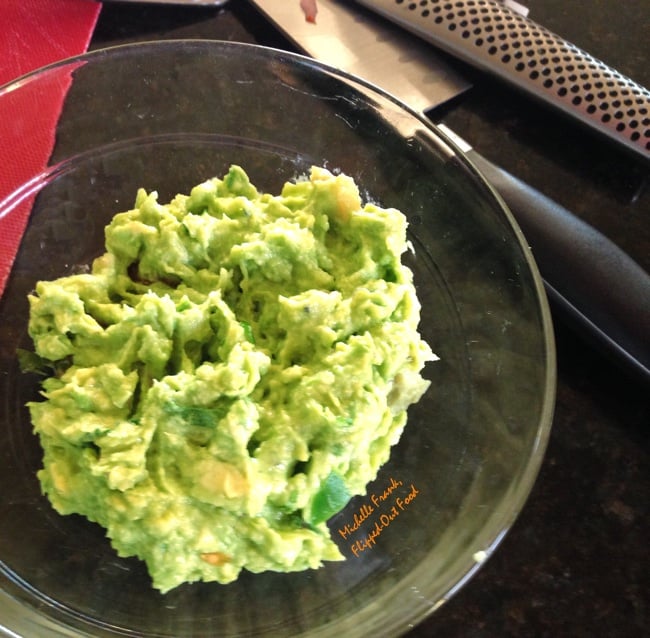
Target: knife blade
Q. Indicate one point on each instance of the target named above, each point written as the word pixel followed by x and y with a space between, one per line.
pixel 593 285
pixel 369 47
pixel 496 38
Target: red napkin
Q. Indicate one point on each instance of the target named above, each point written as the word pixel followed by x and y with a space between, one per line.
pixel 33 33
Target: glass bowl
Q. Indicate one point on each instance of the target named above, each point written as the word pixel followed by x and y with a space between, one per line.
pixel 169 115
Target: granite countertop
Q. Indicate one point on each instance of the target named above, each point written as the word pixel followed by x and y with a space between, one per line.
pixel 576 561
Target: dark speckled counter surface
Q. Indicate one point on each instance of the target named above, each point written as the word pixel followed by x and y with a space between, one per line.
pixel 576 563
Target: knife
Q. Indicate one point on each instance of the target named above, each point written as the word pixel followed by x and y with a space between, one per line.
pixel 593 285
pixel 498 37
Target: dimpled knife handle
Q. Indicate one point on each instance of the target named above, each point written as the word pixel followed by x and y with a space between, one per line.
pixel 494 38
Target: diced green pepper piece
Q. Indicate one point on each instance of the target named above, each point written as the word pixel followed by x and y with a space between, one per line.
pixel 331 498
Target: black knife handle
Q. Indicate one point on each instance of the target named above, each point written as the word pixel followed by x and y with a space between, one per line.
pixel 494 38
pixel 594 284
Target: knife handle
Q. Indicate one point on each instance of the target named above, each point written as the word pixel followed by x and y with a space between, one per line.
pixel 495 38
pixel 600 289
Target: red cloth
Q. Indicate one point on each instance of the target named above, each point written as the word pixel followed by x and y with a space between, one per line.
pixel 33 33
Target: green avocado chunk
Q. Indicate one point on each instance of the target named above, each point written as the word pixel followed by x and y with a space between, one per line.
pixel 235 367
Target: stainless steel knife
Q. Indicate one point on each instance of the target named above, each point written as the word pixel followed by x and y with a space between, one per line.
pixel 595 285
pixel 498 39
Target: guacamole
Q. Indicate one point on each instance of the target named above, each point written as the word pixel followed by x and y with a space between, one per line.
pixel 232 370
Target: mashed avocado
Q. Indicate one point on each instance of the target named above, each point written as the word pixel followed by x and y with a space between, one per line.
pixel 235 367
